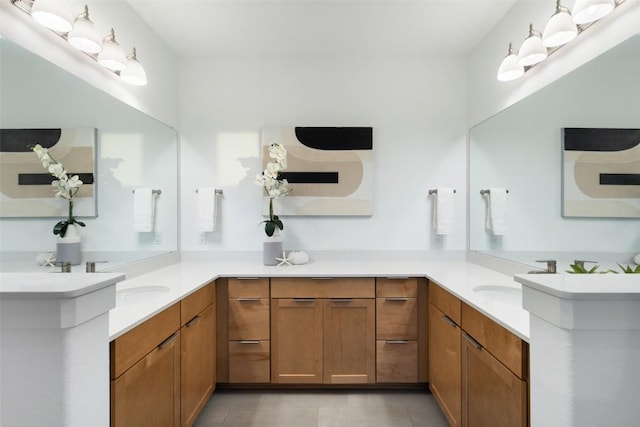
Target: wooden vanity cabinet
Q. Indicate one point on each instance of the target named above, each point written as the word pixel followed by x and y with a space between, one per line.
pixel 145 372
pixel 323 330
pixel 396 330
pixel 445 352
pixel 494 373
pixel 198 352
pixel 248 330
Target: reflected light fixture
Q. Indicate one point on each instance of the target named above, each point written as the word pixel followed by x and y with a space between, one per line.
pixel 53 14
pixel 560 29
pixel 532 50
pixel 510 69
pixel 112 55
pixel 134 72
pixel 587 11
pixel 84 35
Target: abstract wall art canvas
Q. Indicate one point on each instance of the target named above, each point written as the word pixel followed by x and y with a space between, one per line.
pixel 329 169
pixel 25 185
pixel 601 173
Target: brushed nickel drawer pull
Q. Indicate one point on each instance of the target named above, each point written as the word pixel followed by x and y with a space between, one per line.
pixel 449 321
pixel 304 299
pixel 193 321
pixel 471 340
pixel 398 278
pixel 248 299
pixel 168 341
pixel 322 278
pixel 341 299
pixel 247 278
pixel 397 342
pixel 397 299
pixel 249 342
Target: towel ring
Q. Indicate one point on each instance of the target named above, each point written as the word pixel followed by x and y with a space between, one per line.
pixel 435 191
pixel 483 192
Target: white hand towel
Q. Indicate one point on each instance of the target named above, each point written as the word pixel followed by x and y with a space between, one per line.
pixel 443 211
pixel 207 206
pixel 497 211
pixel 143 205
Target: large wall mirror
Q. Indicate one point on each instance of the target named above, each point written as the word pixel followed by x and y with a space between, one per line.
pixel 133 151
pixel 520 149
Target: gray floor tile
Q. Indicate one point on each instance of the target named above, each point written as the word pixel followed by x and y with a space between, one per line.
pixel 322 408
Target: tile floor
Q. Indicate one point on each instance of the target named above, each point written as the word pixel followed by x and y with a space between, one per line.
pixel 326 408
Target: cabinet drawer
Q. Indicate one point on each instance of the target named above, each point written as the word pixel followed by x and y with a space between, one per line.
pixel 248 319
pixel 249 287
pixel 249 362
pixel 286 287
pixel 509 349
pixel 193 304
pixel 396 318
pixel 135 344
pixel 448 303
pixel 397 361
pixel 389 287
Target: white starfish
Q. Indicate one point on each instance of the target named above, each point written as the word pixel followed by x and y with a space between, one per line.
pixel 50 259
pixel 284 260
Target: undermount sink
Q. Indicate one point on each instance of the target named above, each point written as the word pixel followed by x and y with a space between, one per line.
pixel 140 294
pixel 500 293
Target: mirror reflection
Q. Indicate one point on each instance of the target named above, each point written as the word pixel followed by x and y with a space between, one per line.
pixel 133 151
pixel 520 149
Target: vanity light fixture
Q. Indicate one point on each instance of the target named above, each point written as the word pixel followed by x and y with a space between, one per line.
pixel 560 29
pixel 134 72
pixel 532 50
pixel 510 69
pixel 112 55
pixel 53 14
pixel 84 35
pixel 587 11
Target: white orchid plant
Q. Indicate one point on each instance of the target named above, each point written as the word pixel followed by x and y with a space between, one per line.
pixel 274 187
pixel 65 187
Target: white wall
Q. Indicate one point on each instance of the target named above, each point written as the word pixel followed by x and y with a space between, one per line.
pixel 486 95
pixel 158 98
pixel 416 107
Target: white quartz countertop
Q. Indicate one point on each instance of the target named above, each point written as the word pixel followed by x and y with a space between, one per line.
pixel 585 286
pixel 183 278
pixel 54 285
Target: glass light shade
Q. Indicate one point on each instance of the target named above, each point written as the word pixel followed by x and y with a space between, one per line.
pixel 84 35
pixel 53 14
pixel 112 56
pixel 532 50
pixel 586 11
pixel 560 29
pixel 134 72
pixel 509 68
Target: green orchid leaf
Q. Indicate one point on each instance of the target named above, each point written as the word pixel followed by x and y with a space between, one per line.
pixel 269 228
pixel 60 228
pixel 75 221
pixel 279 223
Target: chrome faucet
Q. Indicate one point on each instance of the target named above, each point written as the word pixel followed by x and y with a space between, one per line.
pixel 551 267
pixel 91 266
pixel 65 267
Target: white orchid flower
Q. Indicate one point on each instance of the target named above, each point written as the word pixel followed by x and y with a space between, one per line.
pixel 74 182
pixel 57 170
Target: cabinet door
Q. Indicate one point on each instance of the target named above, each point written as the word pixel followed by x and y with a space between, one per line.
pixel 492 395
pixel 397 361
pixel 197 364
pixel 444 364
pixel 349 341
pixel 249 361
pixel 148 394
pixel 296 341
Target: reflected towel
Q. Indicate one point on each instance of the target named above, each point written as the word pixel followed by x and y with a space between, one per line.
pixel 143 210
pixel 497 211
pixel 207 207
pixel 443 211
